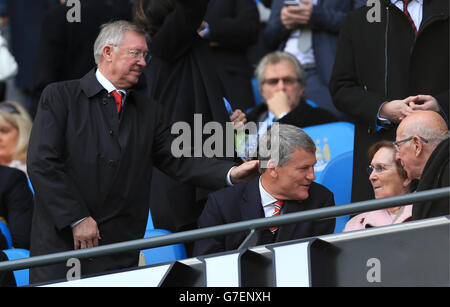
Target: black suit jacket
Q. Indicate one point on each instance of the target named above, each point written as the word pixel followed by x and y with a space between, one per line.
pixel 83 163
pixel 243 202
pixel 435 175
pixel 302 116
pixel 234 27
pixel 16 205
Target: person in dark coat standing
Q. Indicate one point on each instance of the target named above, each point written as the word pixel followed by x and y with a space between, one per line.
pixel 183 76
pixel 92 148
pixel 285 186
pixel 422 146
pixel 232 27
pixel 384 71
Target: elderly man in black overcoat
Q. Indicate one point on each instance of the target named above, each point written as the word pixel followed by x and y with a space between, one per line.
pixel 92 148
pixel 392 60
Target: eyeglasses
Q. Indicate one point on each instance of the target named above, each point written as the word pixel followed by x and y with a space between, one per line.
pixel 9 108
pixel 378 168
pixel 397 143
pixel 138 54
pixel 286 80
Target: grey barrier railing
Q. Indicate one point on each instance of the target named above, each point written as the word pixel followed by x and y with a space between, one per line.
pixel 220 230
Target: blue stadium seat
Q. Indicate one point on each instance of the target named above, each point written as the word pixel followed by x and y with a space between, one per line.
pixel 6 233
pixel 163 253
pixel 337 177
pixel 22 276
pixel 331 140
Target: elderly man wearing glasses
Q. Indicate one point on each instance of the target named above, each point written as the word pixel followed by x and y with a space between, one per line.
pixel 282 82
pixel 422 147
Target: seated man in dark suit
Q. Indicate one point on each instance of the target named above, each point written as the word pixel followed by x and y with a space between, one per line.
pixel 282 83
pixel 285 186
pixel 422 146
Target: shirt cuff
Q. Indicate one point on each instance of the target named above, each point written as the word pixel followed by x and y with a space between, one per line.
pixel 229 183
pixel 77 222
pixel 382 123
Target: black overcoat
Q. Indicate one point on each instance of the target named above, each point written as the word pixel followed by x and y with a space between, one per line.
pixel 383 61
pixel 82 163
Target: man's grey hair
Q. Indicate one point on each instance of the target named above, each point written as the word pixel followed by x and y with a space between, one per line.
pixel 433 136
pixel 274 58
pixel 283 139
pixel 112 34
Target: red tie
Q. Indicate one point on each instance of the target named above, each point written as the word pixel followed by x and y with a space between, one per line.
pixel 118 98
pixel 405 10
pixel 278 205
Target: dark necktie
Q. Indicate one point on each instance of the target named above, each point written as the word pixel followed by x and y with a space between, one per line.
pixel 278 205
pixel 118 98
pixel 405 11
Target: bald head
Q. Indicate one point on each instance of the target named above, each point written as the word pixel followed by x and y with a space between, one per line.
pixel 417 136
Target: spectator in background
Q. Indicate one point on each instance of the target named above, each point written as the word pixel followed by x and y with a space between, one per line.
pixel 183 77
pixel 232 27
pixel 282 83
pixel 65 48
pixel 285 186
pixel 388 179
pixel 16 205
pixel 25 18
pixel 310 31
pixel 15 129
pixel 384 71
pixel 422 147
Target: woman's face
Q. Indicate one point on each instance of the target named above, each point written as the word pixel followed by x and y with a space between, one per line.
pixel 385 178
pixel 8 141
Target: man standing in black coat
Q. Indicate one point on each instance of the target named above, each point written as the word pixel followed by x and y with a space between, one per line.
pixel 385 71
pixel 92 148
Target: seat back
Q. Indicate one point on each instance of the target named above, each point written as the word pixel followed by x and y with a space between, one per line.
pixel 6 233
pixel 164 253
pixel 332 140
pixel 337 177
pixel 22 276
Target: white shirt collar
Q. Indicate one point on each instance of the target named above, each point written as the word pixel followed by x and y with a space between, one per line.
pixel 266 198
pixel 418 1
pixel 107 85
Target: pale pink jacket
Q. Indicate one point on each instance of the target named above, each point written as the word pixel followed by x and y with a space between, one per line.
pixel 378 218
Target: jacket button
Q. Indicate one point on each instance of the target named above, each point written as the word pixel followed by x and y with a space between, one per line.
pixel 112 163
pixel 111 132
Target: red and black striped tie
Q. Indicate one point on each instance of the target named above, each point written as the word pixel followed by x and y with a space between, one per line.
pixel 278 205
pixel 405 11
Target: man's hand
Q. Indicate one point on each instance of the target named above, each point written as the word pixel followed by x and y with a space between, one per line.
pixel 278 104
pixel 293 16
pixel 238 118
pixel 86 234
pixel 244 172
pixel 426 102
pixel 397 110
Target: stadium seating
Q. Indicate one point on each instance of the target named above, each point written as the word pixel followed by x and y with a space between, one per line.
pixel 331 140
pixel 337 177
pixel 6 233
pixel 21 276
pixel 163 253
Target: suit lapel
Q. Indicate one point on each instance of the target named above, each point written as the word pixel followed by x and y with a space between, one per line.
pixel 251 205
pixel 286 232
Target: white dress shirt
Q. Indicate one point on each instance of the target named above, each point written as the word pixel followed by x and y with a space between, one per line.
pixel 415 9
pixel 267 201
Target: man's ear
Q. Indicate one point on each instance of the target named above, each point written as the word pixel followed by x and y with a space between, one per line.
pixel 418 145
pixel 271 168
pixel 107 51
